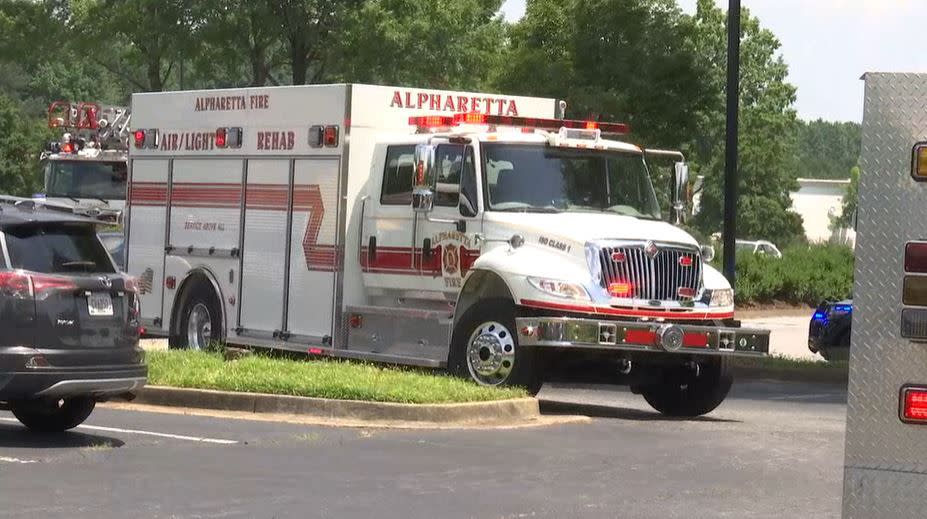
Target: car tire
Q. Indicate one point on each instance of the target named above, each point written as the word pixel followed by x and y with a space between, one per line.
pixel 683 394
pixel 53 415
pixel 202 307
pixel 485 349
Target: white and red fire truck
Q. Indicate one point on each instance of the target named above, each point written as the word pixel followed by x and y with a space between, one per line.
pixel 472 231
pixel 87 168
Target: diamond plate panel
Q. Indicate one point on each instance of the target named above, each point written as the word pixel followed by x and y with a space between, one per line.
pixel 886 460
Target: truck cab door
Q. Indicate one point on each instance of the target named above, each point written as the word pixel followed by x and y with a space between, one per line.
pixel 403 252
pixel 445 236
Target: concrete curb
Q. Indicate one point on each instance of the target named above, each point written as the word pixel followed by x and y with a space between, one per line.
pixel 472 413
pixel 809 375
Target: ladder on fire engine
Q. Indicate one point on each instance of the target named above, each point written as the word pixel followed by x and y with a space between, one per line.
pixel 104 123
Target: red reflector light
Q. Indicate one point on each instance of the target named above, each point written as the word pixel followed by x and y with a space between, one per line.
pixel 316 351
pixel 618 257
pixel 221 135
pixel 915 257
pixel 695 340
pixel 139 137
pixel 685 261
pixel 357 320
pixel 170 282
pixel 330 137
pixel 620 289
pixel 645 337
pixel 686 292
pixel 592 125
pixel 914 404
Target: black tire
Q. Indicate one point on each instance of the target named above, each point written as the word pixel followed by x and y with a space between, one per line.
pixel 199 294
pixel 682 394
pixel 53 415
pixel 526 370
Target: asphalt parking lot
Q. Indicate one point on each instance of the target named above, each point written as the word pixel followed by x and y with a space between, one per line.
pixel 772 450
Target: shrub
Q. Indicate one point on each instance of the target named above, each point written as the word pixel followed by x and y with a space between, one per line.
pixel 804 275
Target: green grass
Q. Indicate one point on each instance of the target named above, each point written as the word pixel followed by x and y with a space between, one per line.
pixel 341 380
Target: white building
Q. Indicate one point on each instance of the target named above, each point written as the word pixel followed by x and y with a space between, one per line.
pixel 818 201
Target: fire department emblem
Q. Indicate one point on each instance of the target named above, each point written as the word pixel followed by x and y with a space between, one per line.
pixel 651 249
pixel 451 259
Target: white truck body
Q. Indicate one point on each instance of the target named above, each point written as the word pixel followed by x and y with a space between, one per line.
pixel 319 249
pixel 885 472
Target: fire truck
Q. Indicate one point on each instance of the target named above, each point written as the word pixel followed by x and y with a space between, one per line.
pixel 476 232
pixel 885 471
pixel 87 167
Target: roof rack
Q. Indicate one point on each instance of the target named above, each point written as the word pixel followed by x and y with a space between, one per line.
pixel 103 215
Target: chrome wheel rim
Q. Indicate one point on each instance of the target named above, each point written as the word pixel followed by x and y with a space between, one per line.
pixel 491 353
pixel 199 327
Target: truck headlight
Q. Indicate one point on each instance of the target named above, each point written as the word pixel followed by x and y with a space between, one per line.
pixel 722 297
pixel 558 288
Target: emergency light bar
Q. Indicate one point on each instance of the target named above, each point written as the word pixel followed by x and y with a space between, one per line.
pixel 444 121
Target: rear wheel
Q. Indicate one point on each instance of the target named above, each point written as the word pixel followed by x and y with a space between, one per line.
pixel 199 321
pixel 485 348
pixel 687 392
pixel 53 415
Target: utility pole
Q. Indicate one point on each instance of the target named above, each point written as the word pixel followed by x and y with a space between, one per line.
pixel 730 149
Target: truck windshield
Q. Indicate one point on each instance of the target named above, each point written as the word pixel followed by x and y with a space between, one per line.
pixel 538 178
pixel 86 179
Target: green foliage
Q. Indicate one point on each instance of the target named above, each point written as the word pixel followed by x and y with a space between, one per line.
pixel 414 43
pixel 847 218
pixel 767 121
pixel 625 60
pixel 804 275
pixel 827 149
pixel 321 379
pixel 19 150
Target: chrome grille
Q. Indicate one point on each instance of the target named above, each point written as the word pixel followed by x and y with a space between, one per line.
pixel 654 278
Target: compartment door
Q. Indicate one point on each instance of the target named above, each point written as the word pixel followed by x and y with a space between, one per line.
pixel 264 246
pixel 313 247
pixel 146 232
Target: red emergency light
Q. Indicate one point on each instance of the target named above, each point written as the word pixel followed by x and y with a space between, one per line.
pixel 620 289
pixel 913 404
pixel 443 121
pixel 139 137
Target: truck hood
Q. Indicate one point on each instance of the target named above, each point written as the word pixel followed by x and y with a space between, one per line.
pixel 579 228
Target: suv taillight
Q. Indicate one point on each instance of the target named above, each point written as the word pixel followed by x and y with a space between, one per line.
pixel 21 285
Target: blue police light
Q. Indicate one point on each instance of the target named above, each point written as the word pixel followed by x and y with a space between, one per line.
pixel 819 316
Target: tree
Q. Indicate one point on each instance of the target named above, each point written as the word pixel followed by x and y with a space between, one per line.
pixel 767 170
pixel 19 149
pixel 847 218
pixel 453 44
pixel 625 60
pixel 140 41
pixel 310 29
pixel 827 149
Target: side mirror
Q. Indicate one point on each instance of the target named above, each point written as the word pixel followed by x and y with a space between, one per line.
pixel 423 179
pixel 680 191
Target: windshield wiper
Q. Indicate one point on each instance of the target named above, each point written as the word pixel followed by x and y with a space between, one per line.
pixel 529 209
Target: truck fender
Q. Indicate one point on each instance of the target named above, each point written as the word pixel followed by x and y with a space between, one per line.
pixel 480 284
pixel 188 281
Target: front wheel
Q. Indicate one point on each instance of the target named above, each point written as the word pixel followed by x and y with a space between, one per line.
pixel 53 415
pixel 485 348
pixel 685 392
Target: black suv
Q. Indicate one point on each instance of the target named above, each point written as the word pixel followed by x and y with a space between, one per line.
pixel 68 320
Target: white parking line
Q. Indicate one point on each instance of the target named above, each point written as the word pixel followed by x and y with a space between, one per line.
pixel 147 433
pixel 4 459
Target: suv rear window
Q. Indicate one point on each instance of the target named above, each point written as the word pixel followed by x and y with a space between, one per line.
pixel 57 249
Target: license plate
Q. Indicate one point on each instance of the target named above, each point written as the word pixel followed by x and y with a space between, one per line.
pixel 100 305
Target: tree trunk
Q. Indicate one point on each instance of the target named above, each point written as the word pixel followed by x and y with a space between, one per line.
pixel 154 74
pixel 299 61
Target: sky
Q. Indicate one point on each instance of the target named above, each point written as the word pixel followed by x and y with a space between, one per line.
pixel 830 44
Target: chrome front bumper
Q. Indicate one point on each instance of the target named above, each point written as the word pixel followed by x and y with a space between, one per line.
pixel 568 332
